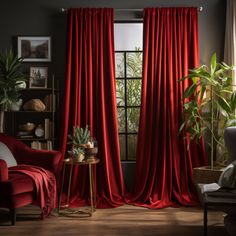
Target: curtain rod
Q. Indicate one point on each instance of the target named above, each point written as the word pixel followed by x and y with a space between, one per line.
pixel 127 9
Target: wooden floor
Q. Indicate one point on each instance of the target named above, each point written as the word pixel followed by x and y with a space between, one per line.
pixel 125 220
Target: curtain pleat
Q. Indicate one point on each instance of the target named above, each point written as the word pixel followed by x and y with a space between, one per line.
pixel 230 36
pixel 163 175
pixel 90 99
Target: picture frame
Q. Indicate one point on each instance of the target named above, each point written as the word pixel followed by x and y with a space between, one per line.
pixel 34 49
pixel 38 77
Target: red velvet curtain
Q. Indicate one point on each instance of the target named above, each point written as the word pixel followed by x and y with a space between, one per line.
pixel 163 175
pixel 90 100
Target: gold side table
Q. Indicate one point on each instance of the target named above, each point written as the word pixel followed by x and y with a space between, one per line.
pixel 90 162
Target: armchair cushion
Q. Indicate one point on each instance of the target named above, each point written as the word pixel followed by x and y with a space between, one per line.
pixel 16 184
pixel 6 155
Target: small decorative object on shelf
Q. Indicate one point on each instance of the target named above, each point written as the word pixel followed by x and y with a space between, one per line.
pixel 34 105
pixel 27 127
pixel 39 108
pixel 82 144
pixel 39 131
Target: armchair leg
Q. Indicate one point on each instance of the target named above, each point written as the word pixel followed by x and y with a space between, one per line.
pixel 205 219
pixel 13 216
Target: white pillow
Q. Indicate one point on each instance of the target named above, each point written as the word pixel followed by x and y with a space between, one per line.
pixel 6 155
pixel 228 176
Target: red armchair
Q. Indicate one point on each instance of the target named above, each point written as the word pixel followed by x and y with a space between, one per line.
pixel 17 189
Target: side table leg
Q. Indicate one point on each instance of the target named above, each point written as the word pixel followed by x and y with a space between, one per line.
pixel 91 187
pixel 69 187
pixel 62 185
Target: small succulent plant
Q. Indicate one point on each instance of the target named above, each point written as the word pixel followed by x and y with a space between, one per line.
pixel 76 152
pixel 79 140
pixel 80 136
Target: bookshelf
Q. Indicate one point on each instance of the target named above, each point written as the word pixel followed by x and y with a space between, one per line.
pixel 35 128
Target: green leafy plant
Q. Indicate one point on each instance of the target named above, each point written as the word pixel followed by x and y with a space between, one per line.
pixel 79 140
pixel 10 79
pixel 209 104
pixel 80 136
pixel 76 151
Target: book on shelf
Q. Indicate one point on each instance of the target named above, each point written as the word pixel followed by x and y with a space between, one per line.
pixel 49 101
pixel 47 128
pixel 24 134
pixel 42 145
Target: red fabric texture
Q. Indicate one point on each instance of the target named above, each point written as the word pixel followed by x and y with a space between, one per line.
pixel 16 189
pixel 90 99
pixel 49 160
pixel 45 186
pixel 163 175
pixel 17 184
pixel 3 171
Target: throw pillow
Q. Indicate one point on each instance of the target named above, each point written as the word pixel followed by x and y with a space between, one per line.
pixel 6 155
pixel 228 176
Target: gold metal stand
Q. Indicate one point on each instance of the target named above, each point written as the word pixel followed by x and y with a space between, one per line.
pixel 72 162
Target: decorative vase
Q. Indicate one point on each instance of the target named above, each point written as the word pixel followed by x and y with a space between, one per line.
pixel 80 157
pixel 16 106
pixel 91 152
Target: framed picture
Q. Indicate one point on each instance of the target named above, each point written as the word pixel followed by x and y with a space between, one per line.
pixel 38 77
pixel 34 49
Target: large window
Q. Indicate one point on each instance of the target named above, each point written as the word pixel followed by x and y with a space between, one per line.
pixel 128 55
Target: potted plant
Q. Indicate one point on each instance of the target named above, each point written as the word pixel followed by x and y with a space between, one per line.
pixel 209 106
pixel 10 80
pixel 82 144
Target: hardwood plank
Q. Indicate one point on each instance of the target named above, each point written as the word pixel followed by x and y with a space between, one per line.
pixel 124 220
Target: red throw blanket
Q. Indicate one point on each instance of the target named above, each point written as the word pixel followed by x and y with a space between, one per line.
pixel 45 184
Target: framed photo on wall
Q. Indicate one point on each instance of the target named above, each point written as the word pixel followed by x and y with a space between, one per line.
pixel 38 77
pixel 34 49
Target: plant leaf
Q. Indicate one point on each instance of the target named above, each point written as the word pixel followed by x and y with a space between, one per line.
pixel 213 63
pixel 190 90
pixel 224 104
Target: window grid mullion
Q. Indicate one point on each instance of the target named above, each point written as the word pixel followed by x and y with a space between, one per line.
pixel 126 106
pixel 126 123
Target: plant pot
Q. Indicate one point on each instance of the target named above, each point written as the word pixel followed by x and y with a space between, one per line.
pixel 16 106
pixel 80 158
pixel 91 152
pixel 206 175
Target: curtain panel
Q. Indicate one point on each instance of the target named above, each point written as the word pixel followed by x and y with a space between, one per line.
pixel 163 175
pixel 230 36
pixel 90 99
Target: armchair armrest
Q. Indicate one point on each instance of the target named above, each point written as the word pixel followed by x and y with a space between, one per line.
pixel 49 160
pixel 3 171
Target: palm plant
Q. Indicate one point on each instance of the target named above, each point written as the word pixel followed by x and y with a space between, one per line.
pixel 10 79
pixel 209 103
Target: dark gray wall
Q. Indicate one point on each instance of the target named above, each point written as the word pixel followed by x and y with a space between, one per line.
pixel 42 17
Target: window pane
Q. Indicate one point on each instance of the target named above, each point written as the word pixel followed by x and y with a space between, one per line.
pixel 132 144
pixel 120 69
pixel 133 92
pixel 122 146
pixel 120 92
pixel 121 119
pixel 133 119
pixel 134 64
pixel 128 36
